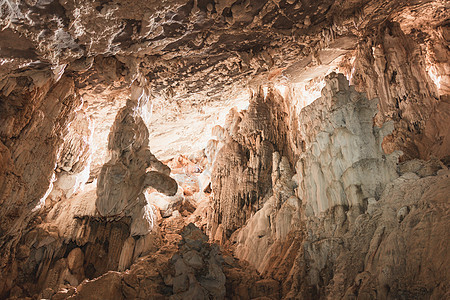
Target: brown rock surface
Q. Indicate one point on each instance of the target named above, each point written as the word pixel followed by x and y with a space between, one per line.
pixel 328 179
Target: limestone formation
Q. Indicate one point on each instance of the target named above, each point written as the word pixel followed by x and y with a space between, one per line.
pixel 241 176
pixel 224 149
pixel 342 163
pixel 73 166
pixel 394 71
pixel 123 179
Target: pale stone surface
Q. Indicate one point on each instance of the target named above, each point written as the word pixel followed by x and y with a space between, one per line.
pixel 356 235
pixel 242 169
pixel 411 84
pixel 74 157
pixel 279 215
pixel 350 223
pixel 342 162
pixel 123 179
pixel 126 256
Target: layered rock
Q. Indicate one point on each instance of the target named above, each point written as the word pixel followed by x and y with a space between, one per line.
pixel 342 163
pixel 193 271
pixel 407 76
pixel 242 169
pixel 259 241
pixel 311 196
pixel 75 156
pixel 377 255
pixel 42 261
pixel 341 237
pixel 36 110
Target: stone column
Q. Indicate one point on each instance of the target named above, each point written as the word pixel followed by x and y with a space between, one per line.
pixel 125 176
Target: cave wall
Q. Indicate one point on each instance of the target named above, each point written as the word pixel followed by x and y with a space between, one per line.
pixel 346 221
pixel 242 168
pixel 310 199
pixel 46 211
pixel 409 76
pixel 36 111
pixel 344 218
pixel 342 163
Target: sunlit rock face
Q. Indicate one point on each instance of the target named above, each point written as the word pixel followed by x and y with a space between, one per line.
pixel 309 139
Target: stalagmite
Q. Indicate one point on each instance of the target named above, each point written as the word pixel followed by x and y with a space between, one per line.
pixel 123 179
pixel 224 149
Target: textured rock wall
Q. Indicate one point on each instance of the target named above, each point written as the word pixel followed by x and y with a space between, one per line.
pixel 343 226
pixel 335 227
pixel 75 156
pixel 382 253
pixel 242 169
pixel 35 113
pixel 342 163
pixel 47 152
pixel 191 270
pixel 259 241
pixel 69 243
pixel 124 177
pixel 410 79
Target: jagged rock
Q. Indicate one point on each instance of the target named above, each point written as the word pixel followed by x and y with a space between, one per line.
pixel 107 286
pixel 123 179
pixel 333 219
pixel 198 270
pixel 241 174
pixel 279 215
pixel 299 189
pixel 394 71
pixel 74 157
pixel 75 261
pixel 342 163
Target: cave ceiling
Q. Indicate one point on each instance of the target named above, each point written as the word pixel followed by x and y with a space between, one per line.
pixel 199 57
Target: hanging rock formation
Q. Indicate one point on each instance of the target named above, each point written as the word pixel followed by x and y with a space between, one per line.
pixel 241 176
pixel 393 67
pixel 328 178
pixel 340 195
pixel 342 163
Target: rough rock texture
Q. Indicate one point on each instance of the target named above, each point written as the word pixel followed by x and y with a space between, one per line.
pixel 193 271
pixel 242 170
pixel 197 268
pixel 347 237
pixel 35 112
pixel 258 241
pixel 399 71
pixel 342 163
pixel 73 243
pixel 74 164
pixel 379 254
pixel 205 52
pixel 311 197
pixel 123 179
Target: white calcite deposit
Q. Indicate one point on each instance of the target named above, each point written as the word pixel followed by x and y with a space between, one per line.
pixel 224 149
pixel 342 163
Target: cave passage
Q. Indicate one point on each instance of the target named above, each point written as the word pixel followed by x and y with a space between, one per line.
pixel 224 149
